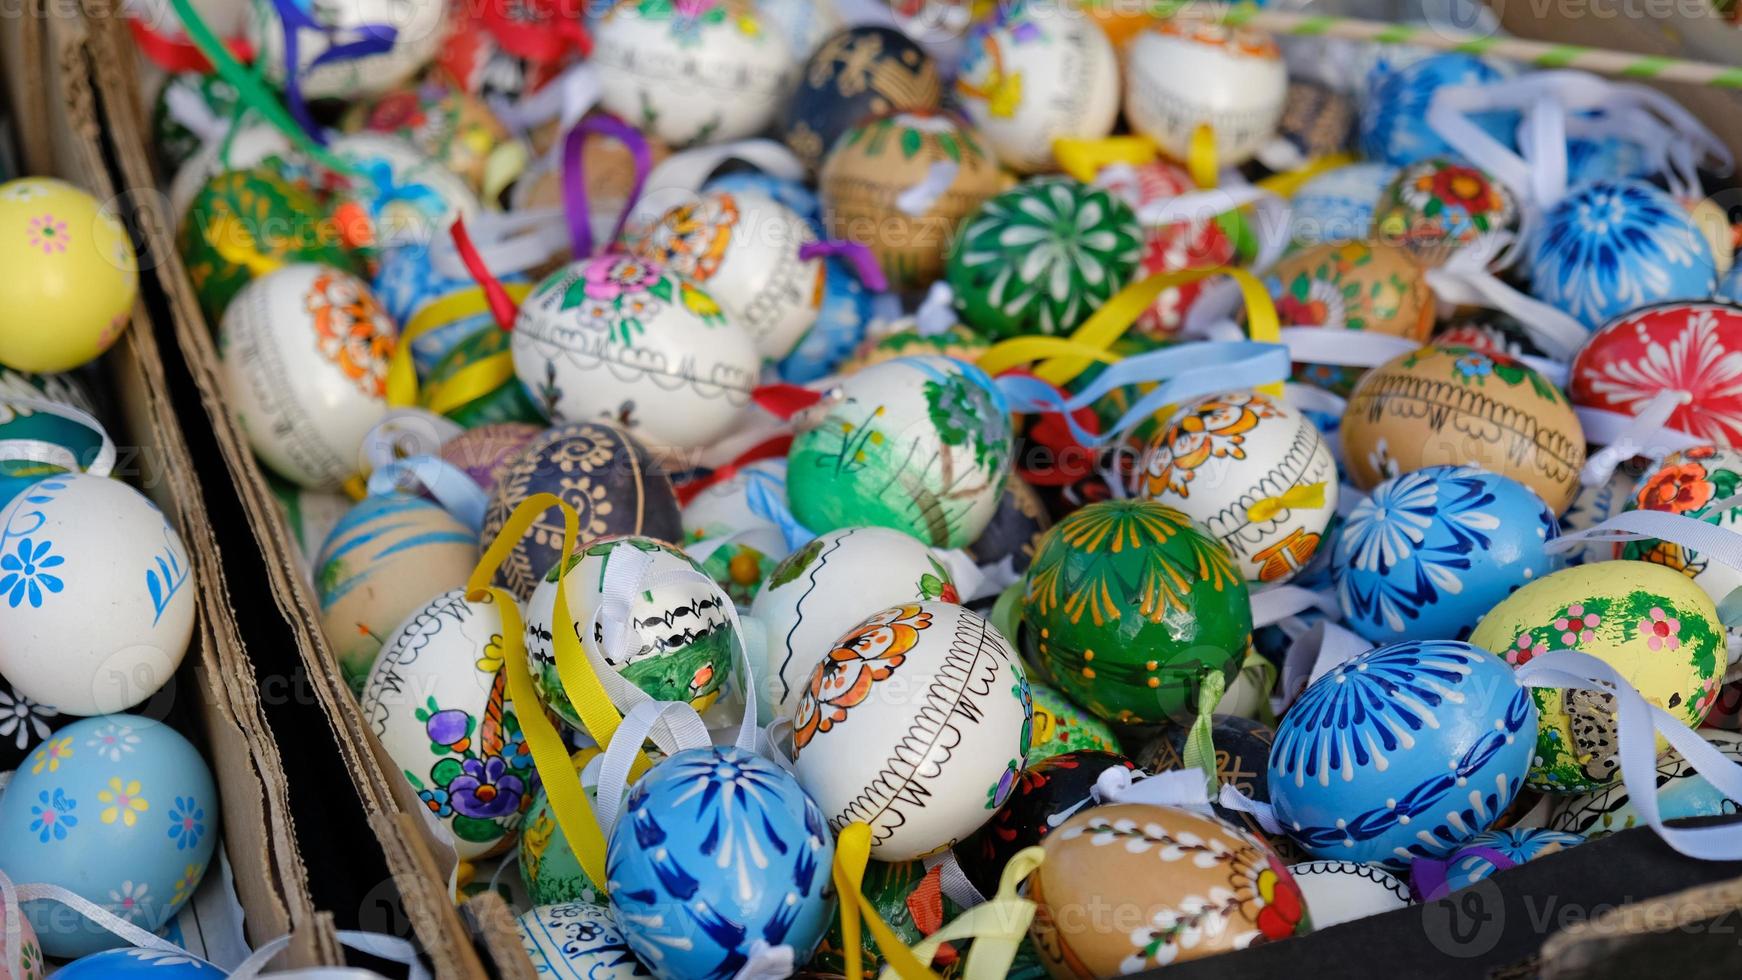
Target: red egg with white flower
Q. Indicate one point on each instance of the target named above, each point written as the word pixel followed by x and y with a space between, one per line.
pixel 1694 348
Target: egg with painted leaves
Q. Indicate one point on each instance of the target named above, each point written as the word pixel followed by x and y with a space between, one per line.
pixel 1685 483
pixel 1436 207
pixel 1359 285
pixel 244 222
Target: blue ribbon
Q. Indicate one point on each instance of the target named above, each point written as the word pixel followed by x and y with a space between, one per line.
pixel 448 484
pixel 371 39
pixel 767 499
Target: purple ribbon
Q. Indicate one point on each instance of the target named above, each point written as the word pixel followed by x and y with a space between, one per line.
pixel 574 181
pixel 855 254
pixel 1428 877
pixel 371 39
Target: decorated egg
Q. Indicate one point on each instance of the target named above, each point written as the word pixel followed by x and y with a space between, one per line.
pixel 1254 471
pixel 71 543
pixel 1428 553
pixel 247 222
pixel 1452 405
pixel 1013 536
pixel 1130 604
pixel 1200 242
pixel 1042 256
pixel 1394 126
pixel 28 953
pixel 407 282
pixel 846 315
pixel 704 72
pixel 862 71
pixel 1653 625
pixel 1316 122
pixel 1047 793
pixel 1061 727
pixel 901 184
pixel 693 811
pixel 628 340
pixel 175 142
pixel 121 811
pixel 1610 247
pixel 904 339
pixel 744 512
pixel 437 698
pixel 679 643
pixel 747 251
pixel 1477 860
pixel 140 962
pixel 822 590
pixel 400 195
pixel 418 30
pixel 1360 285
pixel 1034 72
pixel 444 123
pixel 904 896
pixel 1681 792
pixel 305 351
pixel 548 865
pixel 1435 207
pixel 599 470
pixel 484 453
pixel 573 941
pixel 451 385
pixel 917 723
pixel 796 195
pixel 1157 859
pixel 1688 347
pixel 1242 755
pixel 1187 72
pixel 1489 331
pixel 69 263
pixel 252 142
pixel 64 443
pixel 382 562
pixel 918 444
pixel 1402 752
pixel 1343 891
pixel 1336 207
pixel 1685 483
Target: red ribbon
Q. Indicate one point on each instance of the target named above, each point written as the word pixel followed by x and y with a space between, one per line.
pixel 783 401
pixel 549 33
pixel 502 306
pixel 178 54
pixel 768 449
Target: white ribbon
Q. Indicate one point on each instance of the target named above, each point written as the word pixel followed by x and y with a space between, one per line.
pixel 953 881
pixel 1465 279
pixel 673 725
pixel 1603 427
pixel 937 313
pixel 1709 540
pixel 14 896
pixel 565 98
pixel 508 242
pixel 766 962
pixel 452 488
pixel 390 948
pixel 188 107
pixel 1279 602
pixel 36 450
pixel 1232 799
pixel 1331 345
pixel 1314 653
pixel 678 177
pixel 918 199
pixel 1643 434
pixel 1182 788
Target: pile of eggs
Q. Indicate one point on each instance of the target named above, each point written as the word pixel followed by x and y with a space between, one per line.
pixel 748 429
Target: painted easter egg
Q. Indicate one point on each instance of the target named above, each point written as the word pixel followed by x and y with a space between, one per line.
pixel 573 941
pixel 924 759
pixel 448 389
pixel 437 698
pixel 1360 285
pixel 1336 207
pixel 246 222
pixel 692 73
pixel 305 351
pixel 918 444
pixel 801 198
pixel 401 195
pixel 1047 793
pixel 1653 625
pixel 1476 860
pixel 1129 604
pixel 625 339
pixel 29 964
pixel 846 315
pixel 746 250
pixel 69 262
pixel 1242 759
pixel 1317 119
pixel 118 809
pixel 1394 127
pixel 1199 242
pixel 549 867
pixel 445 123
pixel 418 30
pixel 884 184
pixel 744 511
pixel 1452 405
pixel 484 453
pixel 64 443
pixel 824 589
pixel 1685 483
pixel 862 71
pixel 382 562
pixel 690 813
pixel 1610 247
pixel 1487 330
pixel 139 962
pixel 1402 752
pixel 902 894
pixel 71 543
pixel 1681 792
pixel 1013 535
pixel 679 642
pixel 252 142
pixel 1435 207
pixel 1035 72
pixel 1188 72
pixel 1428 553
pixel 1343 891
pixel 1254 471
pixel 310 515
pixel 1690 347
pixel 1151 858
pixel 1042 256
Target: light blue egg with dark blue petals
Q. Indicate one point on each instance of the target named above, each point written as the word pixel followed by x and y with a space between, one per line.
pixel 156 964
pixel 1394 127
pixel 1429 553
pixel 1474 862
pixel 717 849
pixel 1403 752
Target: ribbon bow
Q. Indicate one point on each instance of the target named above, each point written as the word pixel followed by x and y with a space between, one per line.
pixel 1307 496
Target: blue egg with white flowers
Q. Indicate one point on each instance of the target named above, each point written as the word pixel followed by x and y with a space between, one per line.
pixel 1493 851
pixel 1394 126
pixel 1428 553
pixel 718 849
pixel 1403 752
pixel 158 964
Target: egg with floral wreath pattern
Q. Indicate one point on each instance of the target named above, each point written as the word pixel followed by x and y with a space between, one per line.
pixel 1402 752
pixel 1681 793
pixel 628 340
pixel 1047 793
pixel 1435 207
pixel 1360 285
pixel 571 941
pixel 120 810
pixel 1203 887
pixel 1685 483
pixel 1189 72
pixel 437 698
pixel 1336 207
pixel 305 351
pixel 69 263
pixel 1453 405
pixel 1653 625
pixel 1130 603
pixel 1394 128
pixel 418 30
pixel 866 70
pixel 244 222
pixel 1253 470
pixel 1693 347
pixel 918 444
pixel 1042 256
pixel 916 722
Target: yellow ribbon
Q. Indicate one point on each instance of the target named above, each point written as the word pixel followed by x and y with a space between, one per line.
pixel 401 369
pixel 356 486
pixel 997 927
pixel 1285 185
pixel 469 383
pixel 236 246
pixel 1085 159
pixel 1307 496
pixel 852 853
pixel 1201 157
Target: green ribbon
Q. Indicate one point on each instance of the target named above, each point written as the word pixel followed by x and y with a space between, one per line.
pixel 1200 752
